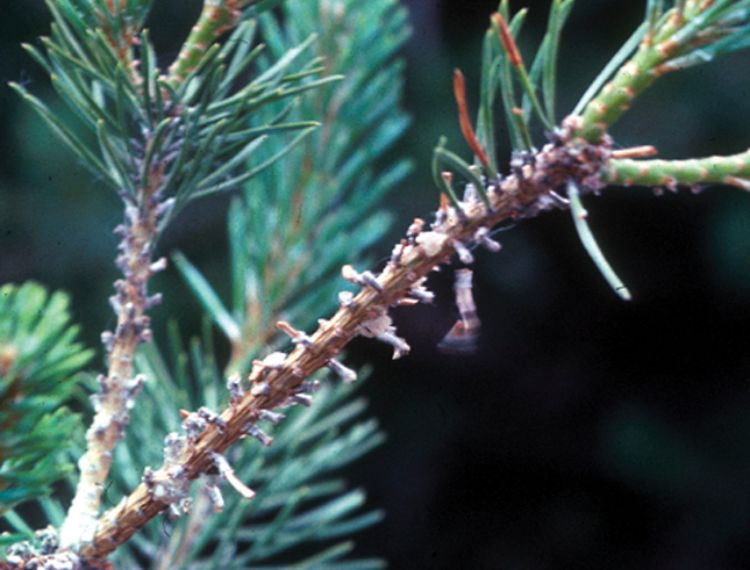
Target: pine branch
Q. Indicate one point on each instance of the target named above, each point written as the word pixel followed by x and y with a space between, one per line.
pixel 733 170
pixel 578 155
pixel 216 18
pixel 310 445
pixel 277 380
pixel 155 144
pixel 156 150
pixel 688 34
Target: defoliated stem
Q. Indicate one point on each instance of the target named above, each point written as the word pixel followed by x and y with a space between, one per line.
pixel 517 195
pixel 732 169
pixel 119 387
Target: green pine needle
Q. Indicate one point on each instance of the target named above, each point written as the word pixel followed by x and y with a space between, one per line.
pixel 592 248
pixel 39 362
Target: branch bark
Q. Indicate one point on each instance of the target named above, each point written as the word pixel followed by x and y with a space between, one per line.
pixel 677 33
pixel 733 170
pixel 216 17
pixel 119 387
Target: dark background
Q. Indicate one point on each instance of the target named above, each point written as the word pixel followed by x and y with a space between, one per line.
pixel 586 432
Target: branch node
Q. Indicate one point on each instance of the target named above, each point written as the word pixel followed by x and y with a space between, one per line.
pixel 158 265
pixel 273 361
pixel 194 425
pixel 301 399
pixel 364 279
pixel 346 374
pixel 153 301
pixel 644 151
pixel 261 389
pixel 234 385
pixel 213 492
pixel 346 300
pixel 381 328
pixel 274 417
pixel 309 387
pixel 254 431
pixel 432 242
pixel 463 252
pixel 482 237
pixel 422 294
pixel 212 418
pixel 226 471
pixel 415 229
pixel 741 183
pixel 398 252
pixel 297 336
pixel 108 340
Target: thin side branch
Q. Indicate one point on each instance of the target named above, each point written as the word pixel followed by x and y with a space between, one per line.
pixel 119 387
pixel 688 34
pixel 733 170
pixel 217 17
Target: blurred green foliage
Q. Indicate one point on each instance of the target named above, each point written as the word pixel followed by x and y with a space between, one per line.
pixel 39 362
